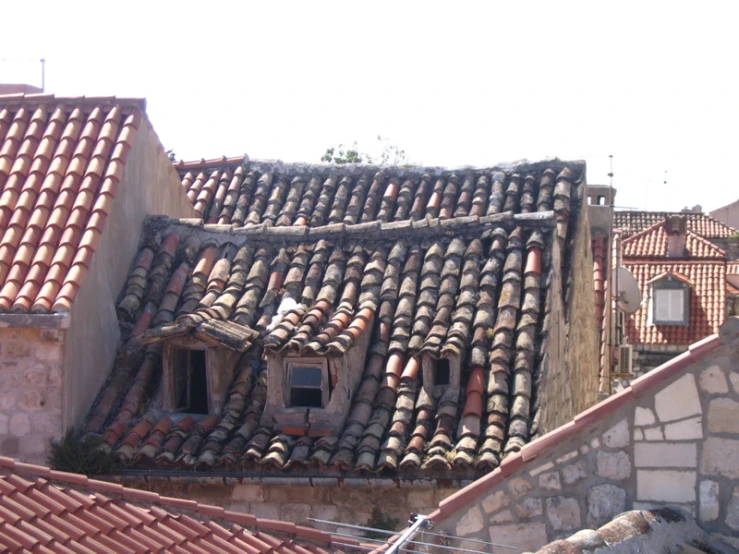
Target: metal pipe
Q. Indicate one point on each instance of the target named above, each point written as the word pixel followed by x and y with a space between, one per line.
pixel 408 534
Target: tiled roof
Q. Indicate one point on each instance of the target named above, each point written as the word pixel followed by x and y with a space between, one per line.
pixel 471 281
pixel 245 192
pixel 61 160
pixel 707 301
pixel 46 511
pixel 632 222
pixel 732 268
pixel 652 243
pixel 634 531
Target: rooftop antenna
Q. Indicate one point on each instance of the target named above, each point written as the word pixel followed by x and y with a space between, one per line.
pixel 31 60
pixel 610 173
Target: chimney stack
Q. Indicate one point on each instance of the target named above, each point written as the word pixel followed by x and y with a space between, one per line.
pixel 677 227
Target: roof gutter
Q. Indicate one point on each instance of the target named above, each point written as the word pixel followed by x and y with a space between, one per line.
pixel 253 478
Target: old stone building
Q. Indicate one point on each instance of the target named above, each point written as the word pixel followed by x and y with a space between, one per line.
pixel 78 176
pixel 326 338
pixel 669 440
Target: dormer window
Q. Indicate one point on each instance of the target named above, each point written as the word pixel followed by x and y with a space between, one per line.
pixel 191 384
pixel 670 299
pixel 308 384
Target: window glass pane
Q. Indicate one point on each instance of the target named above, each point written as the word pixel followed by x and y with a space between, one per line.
pixel 306 376
pixel 306 398
pixel 669 304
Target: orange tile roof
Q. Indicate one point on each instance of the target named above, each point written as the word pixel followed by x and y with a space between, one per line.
pixel 632 222
pixel 652 243
pixel 46 511
pixel 61 160
pixel 732 268
pixel 707 301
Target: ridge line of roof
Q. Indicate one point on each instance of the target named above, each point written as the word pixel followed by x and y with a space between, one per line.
pixel 404 170
pixel 538 447
pixel 375 230
pixel 150 497
pixel 45 98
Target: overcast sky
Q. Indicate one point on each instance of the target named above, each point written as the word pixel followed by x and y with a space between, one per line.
pixel 454 83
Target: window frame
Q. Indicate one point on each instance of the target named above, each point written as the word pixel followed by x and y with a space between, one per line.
pixel 292 363
pixel 669 284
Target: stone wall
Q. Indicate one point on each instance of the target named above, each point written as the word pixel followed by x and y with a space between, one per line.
pixel 671 439
pixel 30 391
pixel 149 186
pixel 296 499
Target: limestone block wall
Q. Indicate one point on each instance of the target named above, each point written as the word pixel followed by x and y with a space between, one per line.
pixel 297 499
pixel 31 362
pixel 670 439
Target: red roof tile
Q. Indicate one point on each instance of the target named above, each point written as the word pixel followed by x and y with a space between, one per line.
pixel 632 222
pixel 652 243
pixel 707 301
pixel 72 513
pixel 61 160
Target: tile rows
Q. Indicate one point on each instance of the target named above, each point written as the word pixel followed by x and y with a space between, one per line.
pixel 44 511
pixel 481 296
pixel 632 222
pixel 707 302
pixel 60 166
pixel 249 193
pixel 652 243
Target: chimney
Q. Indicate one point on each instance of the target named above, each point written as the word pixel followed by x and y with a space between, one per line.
pixel 677 226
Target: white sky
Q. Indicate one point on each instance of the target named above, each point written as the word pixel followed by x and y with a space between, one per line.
pixel 653 83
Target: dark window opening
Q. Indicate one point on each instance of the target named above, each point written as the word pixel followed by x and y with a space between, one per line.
pixel 443 372
pixel 191 386
pixel 601 200
pixel 306 386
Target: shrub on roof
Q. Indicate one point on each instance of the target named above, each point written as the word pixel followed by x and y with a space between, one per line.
pixel 85 454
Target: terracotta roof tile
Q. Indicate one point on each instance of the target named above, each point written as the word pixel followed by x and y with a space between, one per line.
pixel 471 285
pixel 69 514
pixel 707 301
pixel 59 160
pixel 652 243
pixel 632 222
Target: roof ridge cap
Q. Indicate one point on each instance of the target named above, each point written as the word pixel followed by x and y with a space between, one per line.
pixel 49 98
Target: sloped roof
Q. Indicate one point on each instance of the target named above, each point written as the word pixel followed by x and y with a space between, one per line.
pixel 45 511
pixel 466 275
pixel 630 222
pixel 707 301
pixel 652 243
pixel 61 160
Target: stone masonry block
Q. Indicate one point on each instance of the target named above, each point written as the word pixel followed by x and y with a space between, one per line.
pixel 720 457
pixel 713 380
pixel 550 481
pixel 563 513
pixel 732 512
pixel 665 485
pixel 574 472
pixel 723 416
pixel 643 416
pixel 618 435
pixel 470 523
pixel 247 493
pixel 495 501
pixel 687 429
pixel 613 465
pixel 708 503
pixel 665 454
pixel 528 537
pixel 529 508
pixel 519 486
pixel 678 400
pixel 604 503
